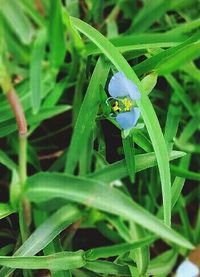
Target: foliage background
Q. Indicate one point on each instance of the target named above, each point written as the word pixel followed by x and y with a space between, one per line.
pixel 89 199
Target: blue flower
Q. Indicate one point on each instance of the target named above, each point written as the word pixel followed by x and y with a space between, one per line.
pixel 123 93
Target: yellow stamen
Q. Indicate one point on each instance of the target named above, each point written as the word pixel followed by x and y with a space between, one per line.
pixel 116 107
pixel 127 104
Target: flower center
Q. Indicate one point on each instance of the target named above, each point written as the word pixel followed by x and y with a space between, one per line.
pixel 128 104
pixel 116 107
pixel 122 105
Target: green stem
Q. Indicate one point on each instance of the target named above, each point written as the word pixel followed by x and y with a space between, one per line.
pixel 22 159
pixel 24 209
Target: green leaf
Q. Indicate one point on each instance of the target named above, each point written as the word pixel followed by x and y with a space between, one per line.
pixel 149 14
pixel 29 7
pixel 36 70
pixel 172 121
pixel 46 113
pixel 53 97
pixel 149 82
pixel 87 114
pixel 76 39
pixel 118 170
pixel 141 139
pixel 188 174
pixel 6 161
pixel 56 34
pixel 185 27
pixel 179 181
pixel 115 250
pixel 17 20
pixel 179 58
pixel 5 250
pixel 145 106
pixel 139 41
pixel 163 264
pixel 46 232
pixel 58 261
pixel 141 255
pixel 45 186
pixel 5 210
pixel 108 268
pixel 189 130
pixel 17 49
pixel 154 61
pixel 7 127
pixel 15 190
pixel 54 246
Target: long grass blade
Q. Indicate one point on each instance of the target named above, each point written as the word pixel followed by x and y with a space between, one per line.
pixel 146 107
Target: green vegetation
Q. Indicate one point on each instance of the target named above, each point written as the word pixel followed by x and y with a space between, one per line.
pixel 80 195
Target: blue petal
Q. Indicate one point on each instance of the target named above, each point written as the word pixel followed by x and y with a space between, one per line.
pixel 187 269
pixel 120 86
pixel 129 119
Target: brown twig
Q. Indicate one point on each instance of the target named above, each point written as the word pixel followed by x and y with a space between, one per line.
pixel 17 109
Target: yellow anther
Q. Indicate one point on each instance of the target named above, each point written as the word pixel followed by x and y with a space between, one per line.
pixel 116 107
pixel 127 104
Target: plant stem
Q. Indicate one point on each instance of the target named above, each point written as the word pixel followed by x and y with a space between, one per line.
pixel 18 112
pixel 24 207
pixel 22 159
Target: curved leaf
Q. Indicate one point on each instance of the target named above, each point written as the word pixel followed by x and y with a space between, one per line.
pixel 145 106
pixel 45 186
